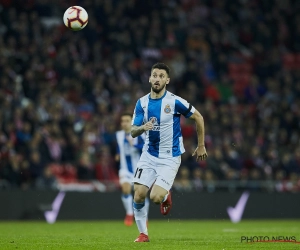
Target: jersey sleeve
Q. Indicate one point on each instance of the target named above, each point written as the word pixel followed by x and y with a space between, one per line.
pixel 183 107
pixel 138 115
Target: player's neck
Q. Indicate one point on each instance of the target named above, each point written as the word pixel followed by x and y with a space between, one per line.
pixel 155 95
pixel 127 131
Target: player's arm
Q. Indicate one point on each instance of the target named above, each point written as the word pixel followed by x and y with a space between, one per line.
pixel 199 121
pixel 138 130
pixel 186 109
pixel 138 127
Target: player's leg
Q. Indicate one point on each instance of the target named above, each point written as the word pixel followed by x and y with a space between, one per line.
pixel 158 194
pixel 162 196
pixel 143 179
pixel 140 211
pixel 127 202
pixel 166 173
pixel 147 205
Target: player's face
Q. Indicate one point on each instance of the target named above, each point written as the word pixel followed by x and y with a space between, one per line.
pixel 158 79
pixel 126 123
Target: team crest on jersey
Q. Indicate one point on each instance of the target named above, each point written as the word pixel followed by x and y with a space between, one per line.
pixel 167 109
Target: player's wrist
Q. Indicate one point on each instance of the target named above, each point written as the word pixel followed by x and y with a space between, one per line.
pixel 143 128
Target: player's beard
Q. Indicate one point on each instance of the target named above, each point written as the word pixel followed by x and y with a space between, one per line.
pixel 157 89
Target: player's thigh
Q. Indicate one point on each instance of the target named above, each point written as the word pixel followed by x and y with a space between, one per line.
pixel 145 173
pixel 166 172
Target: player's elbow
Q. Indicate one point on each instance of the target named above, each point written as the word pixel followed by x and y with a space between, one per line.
pixel 197 116
pixel 201 118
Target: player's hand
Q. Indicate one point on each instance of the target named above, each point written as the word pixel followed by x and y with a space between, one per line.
pixel 149 125
pixel 200 153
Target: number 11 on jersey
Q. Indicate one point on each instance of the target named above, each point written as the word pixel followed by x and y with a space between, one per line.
pixel 140 170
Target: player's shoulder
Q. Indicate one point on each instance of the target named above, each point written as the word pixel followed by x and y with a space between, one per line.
pixel 145 97
pixel 173 96
pixel 143 100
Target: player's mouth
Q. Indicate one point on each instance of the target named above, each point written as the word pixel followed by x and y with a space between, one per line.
pixel 156 84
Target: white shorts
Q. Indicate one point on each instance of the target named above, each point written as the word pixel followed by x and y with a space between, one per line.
pixel 151 169
pixel 125 176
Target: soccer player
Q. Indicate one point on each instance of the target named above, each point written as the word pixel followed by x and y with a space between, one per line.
pixel 128 153
pixel 157 114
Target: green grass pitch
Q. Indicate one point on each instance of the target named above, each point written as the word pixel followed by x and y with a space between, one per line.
pixel 164 234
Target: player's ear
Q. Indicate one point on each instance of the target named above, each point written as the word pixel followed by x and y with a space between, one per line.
pixel 168 80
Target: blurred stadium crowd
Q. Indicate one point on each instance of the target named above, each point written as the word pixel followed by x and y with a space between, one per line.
pixel 62 92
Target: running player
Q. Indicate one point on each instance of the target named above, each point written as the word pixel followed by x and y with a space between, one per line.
pixel 128 153
pixel 157 114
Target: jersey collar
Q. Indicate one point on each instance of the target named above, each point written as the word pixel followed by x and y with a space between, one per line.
pixel 157 99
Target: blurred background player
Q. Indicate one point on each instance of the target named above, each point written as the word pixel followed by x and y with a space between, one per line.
pixel 158 115
pixel 128 153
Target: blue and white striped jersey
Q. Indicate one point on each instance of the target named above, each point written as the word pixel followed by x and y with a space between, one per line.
pixel 165 139
pixel 129 155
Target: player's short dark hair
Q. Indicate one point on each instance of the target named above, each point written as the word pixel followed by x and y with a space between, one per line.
pixel 126 114
pixel 160 65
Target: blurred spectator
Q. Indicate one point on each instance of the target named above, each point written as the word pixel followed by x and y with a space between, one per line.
pixel 209 179
pixel 36 165
pixel 198 179
pixel 183 181
pixel 216 162
pixel 26 175
pixel 47 180
pixel 105 167
pixel 85 168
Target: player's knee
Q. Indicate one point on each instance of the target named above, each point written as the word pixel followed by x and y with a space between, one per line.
pixel 139 196
pixel 156 198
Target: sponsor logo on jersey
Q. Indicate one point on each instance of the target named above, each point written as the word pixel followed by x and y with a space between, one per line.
pixel 156 126
pixel 167 109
